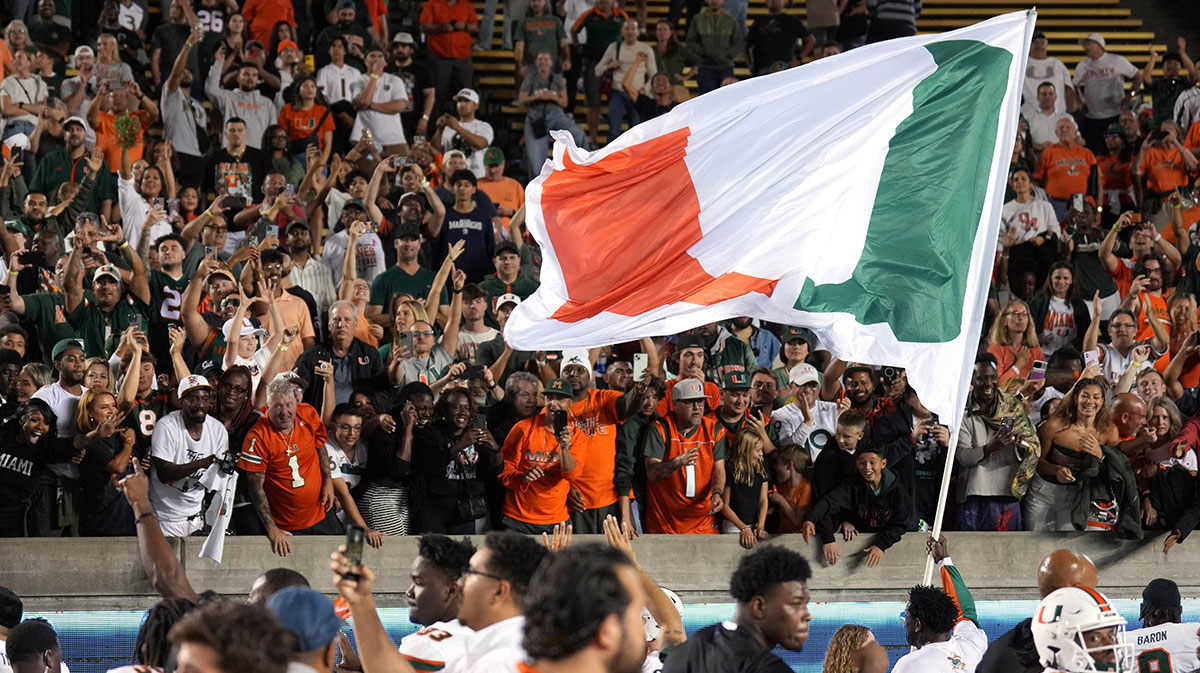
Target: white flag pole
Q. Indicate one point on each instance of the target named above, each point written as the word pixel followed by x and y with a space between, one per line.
pixel 968 364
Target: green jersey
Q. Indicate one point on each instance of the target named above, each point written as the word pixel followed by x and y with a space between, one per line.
pixel 101 330
pixel 48 312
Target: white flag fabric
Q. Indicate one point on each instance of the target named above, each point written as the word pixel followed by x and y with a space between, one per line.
pixel 857 195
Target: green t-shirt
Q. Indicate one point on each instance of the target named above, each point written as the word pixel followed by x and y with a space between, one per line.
pixel 540 33
pixel 601 31
pixel 396 281
pixel 48 312
pixel 101 330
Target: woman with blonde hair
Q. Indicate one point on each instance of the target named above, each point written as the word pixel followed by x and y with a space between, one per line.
pixel 745 497
pixel 109 453
pixel 853 649
pixel 97 375
pixel 1014 341
pixel 1181 307
pixel 405 313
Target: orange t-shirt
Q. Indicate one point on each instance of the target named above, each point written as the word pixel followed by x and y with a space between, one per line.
pixel 800 498
pixel 1190 217
pixel 106 139
pixel 455 44
pixel 1159 305
pixel 302 123
pixel 530 444
pixel 669 508
pixel 1192 139
pixel 1164 169
pixel 596 418
pixel 1006 359
pixel 1065 170
pixel 505 192
pixel 292 465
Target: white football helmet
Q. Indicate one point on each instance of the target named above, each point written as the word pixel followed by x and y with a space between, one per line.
pixel 651 625
pixel 1060 622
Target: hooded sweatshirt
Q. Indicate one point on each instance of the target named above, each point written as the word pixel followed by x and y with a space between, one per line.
pixel 889 511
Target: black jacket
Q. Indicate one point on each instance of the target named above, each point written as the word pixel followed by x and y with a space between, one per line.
pixel 918 466
pixel 832 468
pixel 366 370
pixel 1039 306
pixel 889 512
pixel 1012 652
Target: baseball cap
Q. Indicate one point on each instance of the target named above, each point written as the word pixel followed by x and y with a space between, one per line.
pixel 106 270
pixel 19 226
pixel 225 273
pixel 1115 129
pixel 735 381
pixel 493 156
pixel 306 613
pixel 688 389
pixel 1162 593
pixel 576 356
pixel 284 44
pixel 75 120
pixel 859 367
pixel 248 328
pixel 503 299
pixel 65 345
pixel 802 333
pixel 293 225
pixel 403 38
pixel 191 382
pixel 346 4
pixel 465 93
pixel 84 50
pixel 803 373
pixel 407 230
pixel 453 153
pixel 506 246
pixel 687 340
pixel 1094 37
pixel 559 387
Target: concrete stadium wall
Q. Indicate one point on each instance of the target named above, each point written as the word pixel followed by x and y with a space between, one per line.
pixel 105 573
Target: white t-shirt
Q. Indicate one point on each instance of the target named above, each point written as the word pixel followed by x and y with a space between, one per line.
pixel 368 253
pixel 961 654
pixel 435 646
pixel 256 364
pixel 452 141
pixel 653 662
pixel 63 404
pixel 1103 83
pixel 1060 325
pixel 813 438
pixel 180 500
pixel 30 91
pixel 341 467
pixel 1171 646
pixel 134 210
pixel 1049 69
pixel 386 128
pixel 1031 219
pixel 468 343
pixel 338 83
pixel 1042 126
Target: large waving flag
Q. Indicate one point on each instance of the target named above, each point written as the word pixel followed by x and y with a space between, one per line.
pixel 858 195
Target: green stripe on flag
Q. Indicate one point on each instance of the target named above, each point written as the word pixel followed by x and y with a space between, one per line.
pixel 913 270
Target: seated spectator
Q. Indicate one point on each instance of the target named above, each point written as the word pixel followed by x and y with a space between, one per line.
pixel 835 466
pixel 1060 316
pixel 994 437
pixel 465 132
pixel 685 487
pixel 717 39
pixel 1073 434
pixel 103 511
pixel 776 40
pixel 545 94
pixel 807 422
pixel 288 504
pixel 448 458
pixel 1014 341
pixel 626 59
pixel 185 444
pixel 538 464
pixel 914 444
pixel 1067 167
pixel 873 502
pixel 744 508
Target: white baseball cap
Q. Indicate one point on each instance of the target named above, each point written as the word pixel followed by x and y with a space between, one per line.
pixel 190 382
pixel 468 94
pixel 803 373
pixel 688 389
pixel 248 328
pixel 1094 37
pixel 503 299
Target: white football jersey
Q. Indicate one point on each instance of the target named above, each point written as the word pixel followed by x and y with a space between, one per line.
pixel 435 646
pixel 1166 648
pixel 961 654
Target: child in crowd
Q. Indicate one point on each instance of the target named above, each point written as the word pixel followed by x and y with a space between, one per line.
pixel 745 500
pixel 791 493
pixel 836 466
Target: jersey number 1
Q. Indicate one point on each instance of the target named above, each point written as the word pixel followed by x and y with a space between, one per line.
pixel 297 480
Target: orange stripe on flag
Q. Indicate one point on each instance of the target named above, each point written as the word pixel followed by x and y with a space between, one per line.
pixel 621 229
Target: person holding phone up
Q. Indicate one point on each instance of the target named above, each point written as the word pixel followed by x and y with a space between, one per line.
pixel 539 464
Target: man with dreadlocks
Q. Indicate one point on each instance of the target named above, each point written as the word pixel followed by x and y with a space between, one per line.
pixel 152 648
pixel 1164 644
pixel 941 623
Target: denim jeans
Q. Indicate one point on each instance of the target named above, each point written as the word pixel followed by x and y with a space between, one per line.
pixel 536 149
pixel 620 108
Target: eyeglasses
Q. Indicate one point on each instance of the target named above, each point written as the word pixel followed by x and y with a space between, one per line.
pixel 216 227
pixel 472 571
pixel 236 390
pixel 423 333
pixel 273 267
pixel 344 427
pixel 1122 325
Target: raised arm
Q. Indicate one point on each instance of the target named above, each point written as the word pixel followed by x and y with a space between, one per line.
pixel 1107 258
pixel 830 385
pixel 433 302
pixel 158 558
pixel 450 335
pixel 350 260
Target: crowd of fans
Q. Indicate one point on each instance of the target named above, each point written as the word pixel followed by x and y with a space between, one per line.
pixel 249 246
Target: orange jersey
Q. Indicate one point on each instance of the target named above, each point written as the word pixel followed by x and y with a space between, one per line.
pixel 1065 170
pixel 303 123
pixel 1192 140
pixel 454 44
pixel 1159 305
pixel 670 509
pixel 1190 217
pixel 1164 169
pixel 531 444
pixel 292 466
pixel 596 418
